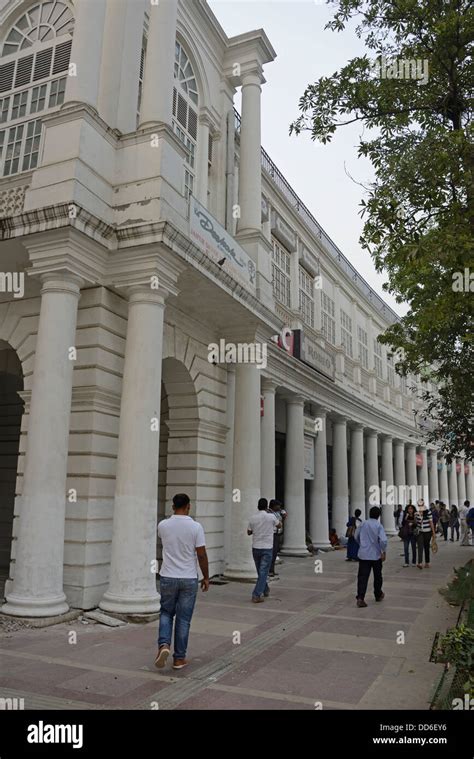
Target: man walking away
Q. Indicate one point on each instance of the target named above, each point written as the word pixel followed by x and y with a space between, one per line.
pixel 426 532
pixel 276 508
pixel 465 529
pixel 372 542
pixel 470 519
pixel 261 527
pixel 184 546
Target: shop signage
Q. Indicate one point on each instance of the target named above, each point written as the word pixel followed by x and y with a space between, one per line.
pixel 311 353
pixel 219 245
pixel 308 457
pixel 458 468
pixel 419 459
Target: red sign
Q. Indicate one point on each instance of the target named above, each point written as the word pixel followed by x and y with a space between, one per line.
pixel 419 459
pixel 458 468
pixel 262 406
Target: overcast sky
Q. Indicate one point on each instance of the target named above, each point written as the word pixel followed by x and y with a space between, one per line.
pixel 319 174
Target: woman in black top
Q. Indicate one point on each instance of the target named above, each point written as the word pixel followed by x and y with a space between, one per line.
pixel 408 534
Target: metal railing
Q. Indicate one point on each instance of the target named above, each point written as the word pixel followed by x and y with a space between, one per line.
pixel 272 170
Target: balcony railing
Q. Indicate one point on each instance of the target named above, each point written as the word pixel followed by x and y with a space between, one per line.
pixel 315 228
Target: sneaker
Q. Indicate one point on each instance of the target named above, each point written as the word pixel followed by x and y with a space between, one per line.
pixel 361 603
pixel 381 597
pixel 420 566
pixel 266 593
pixel 406 565
pixel 179 663
pixel 162 656
pixel 427 566
pixel 257 599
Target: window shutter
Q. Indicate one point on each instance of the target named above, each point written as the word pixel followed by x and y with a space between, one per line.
pixel 43 64
pixel 210 149
pixel 23 71
pixel 182 111
pixel 192 123
pixel 175 100
pixel 6 76
pixel 62 55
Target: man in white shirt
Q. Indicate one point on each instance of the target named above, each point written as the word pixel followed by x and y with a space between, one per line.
pixel 465 530
pixel 261 527
pixel 184 546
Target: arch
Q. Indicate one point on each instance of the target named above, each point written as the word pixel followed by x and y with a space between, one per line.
pixel 11 412
pixel 36 24
pixel 192 51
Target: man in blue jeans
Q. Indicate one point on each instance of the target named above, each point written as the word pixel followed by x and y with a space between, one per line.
pixel 261 527
pixel 184 546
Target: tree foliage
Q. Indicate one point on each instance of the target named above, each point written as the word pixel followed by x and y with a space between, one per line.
pixel 412 94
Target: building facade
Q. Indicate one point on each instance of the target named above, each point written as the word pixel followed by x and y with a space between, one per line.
pixel 172 316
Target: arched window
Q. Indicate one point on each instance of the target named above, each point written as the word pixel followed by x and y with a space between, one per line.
pixel 185 117
pixel 42 23
pixel 33 71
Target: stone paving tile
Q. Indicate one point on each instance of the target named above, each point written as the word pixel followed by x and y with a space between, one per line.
pixel 362 627
pixel 211 699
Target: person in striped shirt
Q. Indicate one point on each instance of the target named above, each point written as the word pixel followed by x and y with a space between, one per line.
pixel 426 531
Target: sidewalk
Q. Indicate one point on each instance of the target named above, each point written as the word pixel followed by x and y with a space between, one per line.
pixel 307 643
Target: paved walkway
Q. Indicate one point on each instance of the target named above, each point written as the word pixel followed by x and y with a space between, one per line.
pixel 307 645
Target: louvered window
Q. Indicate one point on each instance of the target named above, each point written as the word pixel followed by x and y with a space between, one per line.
pixel 185 116
pixel 23 71
pixel 31 81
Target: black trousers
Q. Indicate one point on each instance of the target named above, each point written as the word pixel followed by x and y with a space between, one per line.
pixel 424 540
pixel 444 526
pixel 363 577
pixel 276 546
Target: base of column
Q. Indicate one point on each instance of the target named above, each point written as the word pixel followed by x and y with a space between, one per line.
pixel 27 606
pixel 130 604
pixel 390 532
pixel 322 544
pixel 240 575
pixel 295 551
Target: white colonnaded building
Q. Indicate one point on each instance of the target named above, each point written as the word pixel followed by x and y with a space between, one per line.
pixel 146 236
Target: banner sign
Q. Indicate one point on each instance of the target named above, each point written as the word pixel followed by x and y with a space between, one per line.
pixel 218 244
pixel 311 353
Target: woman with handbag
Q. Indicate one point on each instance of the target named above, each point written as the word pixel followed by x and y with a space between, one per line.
pixel 407 534
pixel 425 533
pixel 352 544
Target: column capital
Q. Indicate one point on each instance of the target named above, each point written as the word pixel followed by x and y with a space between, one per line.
pixel 370 432
pixel 294 400
pixel 399 442
pixel 269 385
pixel 339 418
pixel 356 426
pixel 385 437
pixel 321 412
pixel 61 282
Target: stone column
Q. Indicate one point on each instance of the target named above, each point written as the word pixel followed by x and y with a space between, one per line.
pixel 469 485
pixel 453 484
pixel 250 175
pixel 433 476
pixel 268 439
pixel 412 495
pixel 357 469
pixel 246 474
pixel 399 471
pixel 132 584
pixel 388 505
pixel 229 458
pixel 86 52
pixel 423 478
pixel 203 160
pixel 37 589
pixel 443 482
pixel 461 483
pixel 157 95
pixel 318 514
pixel 340 495
pixel 372 487
pixel 295 532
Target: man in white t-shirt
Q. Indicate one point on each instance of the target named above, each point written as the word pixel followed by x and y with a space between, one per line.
pixel 261 527
pixel 184 546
